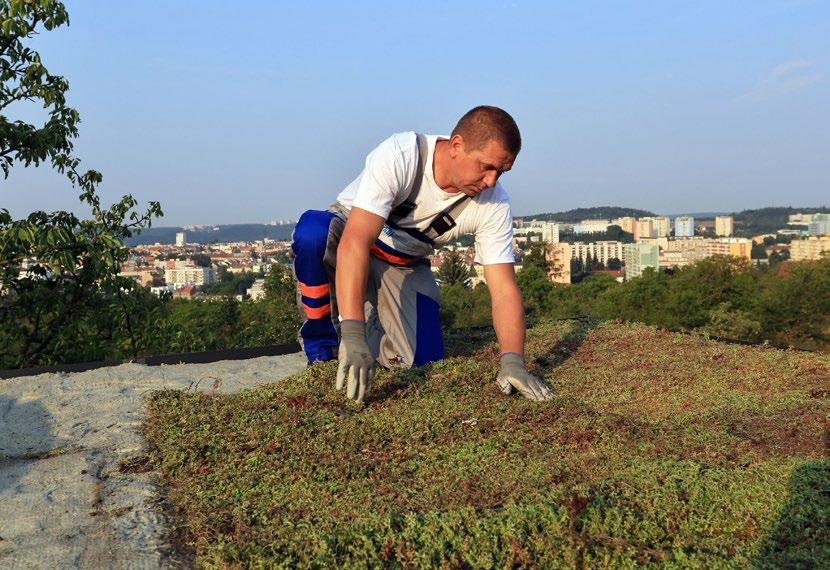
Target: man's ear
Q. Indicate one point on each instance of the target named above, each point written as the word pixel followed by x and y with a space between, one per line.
pixel 456 145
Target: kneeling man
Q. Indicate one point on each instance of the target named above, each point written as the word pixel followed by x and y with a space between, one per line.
pixel 362 265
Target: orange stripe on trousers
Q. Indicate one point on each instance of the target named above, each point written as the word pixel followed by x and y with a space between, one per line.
pixel 314 291
pixel 317 312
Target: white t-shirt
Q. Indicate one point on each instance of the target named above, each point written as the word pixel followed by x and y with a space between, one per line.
pixel 388 178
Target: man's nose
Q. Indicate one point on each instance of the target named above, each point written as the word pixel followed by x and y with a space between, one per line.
pixel 490 179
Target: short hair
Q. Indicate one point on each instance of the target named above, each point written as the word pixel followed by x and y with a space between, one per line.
pixel 484 123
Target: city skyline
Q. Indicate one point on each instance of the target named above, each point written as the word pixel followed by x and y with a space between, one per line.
pixel 674 109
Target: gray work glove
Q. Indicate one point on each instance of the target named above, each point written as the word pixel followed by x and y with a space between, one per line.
pixel 356 362
pixel 513 375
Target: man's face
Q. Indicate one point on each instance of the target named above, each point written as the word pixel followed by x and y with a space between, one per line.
pixel 479 169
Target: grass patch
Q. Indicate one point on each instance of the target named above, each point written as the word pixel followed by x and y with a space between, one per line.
pixel 659 449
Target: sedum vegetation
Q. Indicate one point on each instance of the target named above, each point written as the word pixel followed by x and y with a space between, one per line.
pixel 660 449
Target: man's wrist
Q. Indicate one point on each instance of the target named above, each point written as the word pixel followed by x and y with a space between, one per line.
pixel 509 359
pixel 349 327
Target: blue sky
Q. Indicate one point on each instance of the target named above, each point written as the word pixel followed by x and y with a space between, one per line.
pixel 229 112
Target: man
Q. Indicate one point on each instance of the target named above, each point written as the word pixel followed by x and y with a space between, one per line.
pixel 416 192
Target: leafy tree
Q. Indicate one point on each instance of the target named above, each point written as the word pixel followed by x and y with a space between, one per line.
pixel 795 304
pixel 758 251
pixel 60 295
pixel 463 307
pixel 454 269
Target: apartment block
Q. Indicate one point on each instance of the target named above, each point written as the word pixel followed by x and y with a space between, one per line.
pixel 737 247
pixel 810 249
pixel 724 226
pixel 660 225
pixel 591 226
pixel 638 256
pixel 625 223
pixel 820 225
pixel 550 232
pixel 684 226
pixel 558 256
pixel 800 219
pixel 181 239
pixel 602 251
pixel 644 228
pixel 189 276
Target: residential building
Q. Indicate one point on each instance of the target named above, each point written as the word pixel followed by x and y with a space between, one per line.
pixel 820 225
pixel 724 226
pixel 660 225
pixel 639 256
pixel 257 289
pixel 181 239
pixel 180 276
pixel 800 219
pixel 550 232
pixel 591 226
pixel 601 251
pixel 811 248
pixel 186 292
pixel 626 223
pixel 143 276
pixel 558 256
pixel 644 229
pixel 737 247
pixel 684 226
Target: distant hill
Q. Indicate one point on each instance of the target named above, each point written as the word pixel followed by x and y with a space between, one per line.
pixel 768 220
pixel 209 234
pixel 598 213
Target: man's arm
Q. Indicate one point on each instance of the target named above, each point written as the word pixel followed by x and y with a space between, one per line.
pixel 509 322
pixel 361 231
pixel 355 368
pixel 508 311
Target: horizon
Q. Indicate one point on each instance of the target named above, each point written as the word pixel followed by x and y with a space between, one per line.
pixel 701 215
pixel 682 108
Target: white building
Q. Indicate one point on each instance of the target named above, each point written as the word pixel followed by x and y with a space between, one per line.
pixel 638 256
pixel 180 276
pixel 591 226
pixel 724 226
pixel 684 226
pixel 602 251
pixel 181 238
pixel 820 225
pixel 660 225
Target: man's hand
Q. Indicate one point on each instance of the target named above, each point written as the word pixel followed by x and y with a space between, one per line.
pixel 513 375
pixel 356 361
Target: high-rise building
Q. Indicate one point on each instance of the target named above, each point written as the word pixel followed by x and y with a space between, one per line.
pixel 638 256
pixel 626 223
pixel 724 226
pixel 550 232
pixel 684 226
pixel 181 238
pixel 644 228
pixel 558 256
pixel 660 225
pixel 820 225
